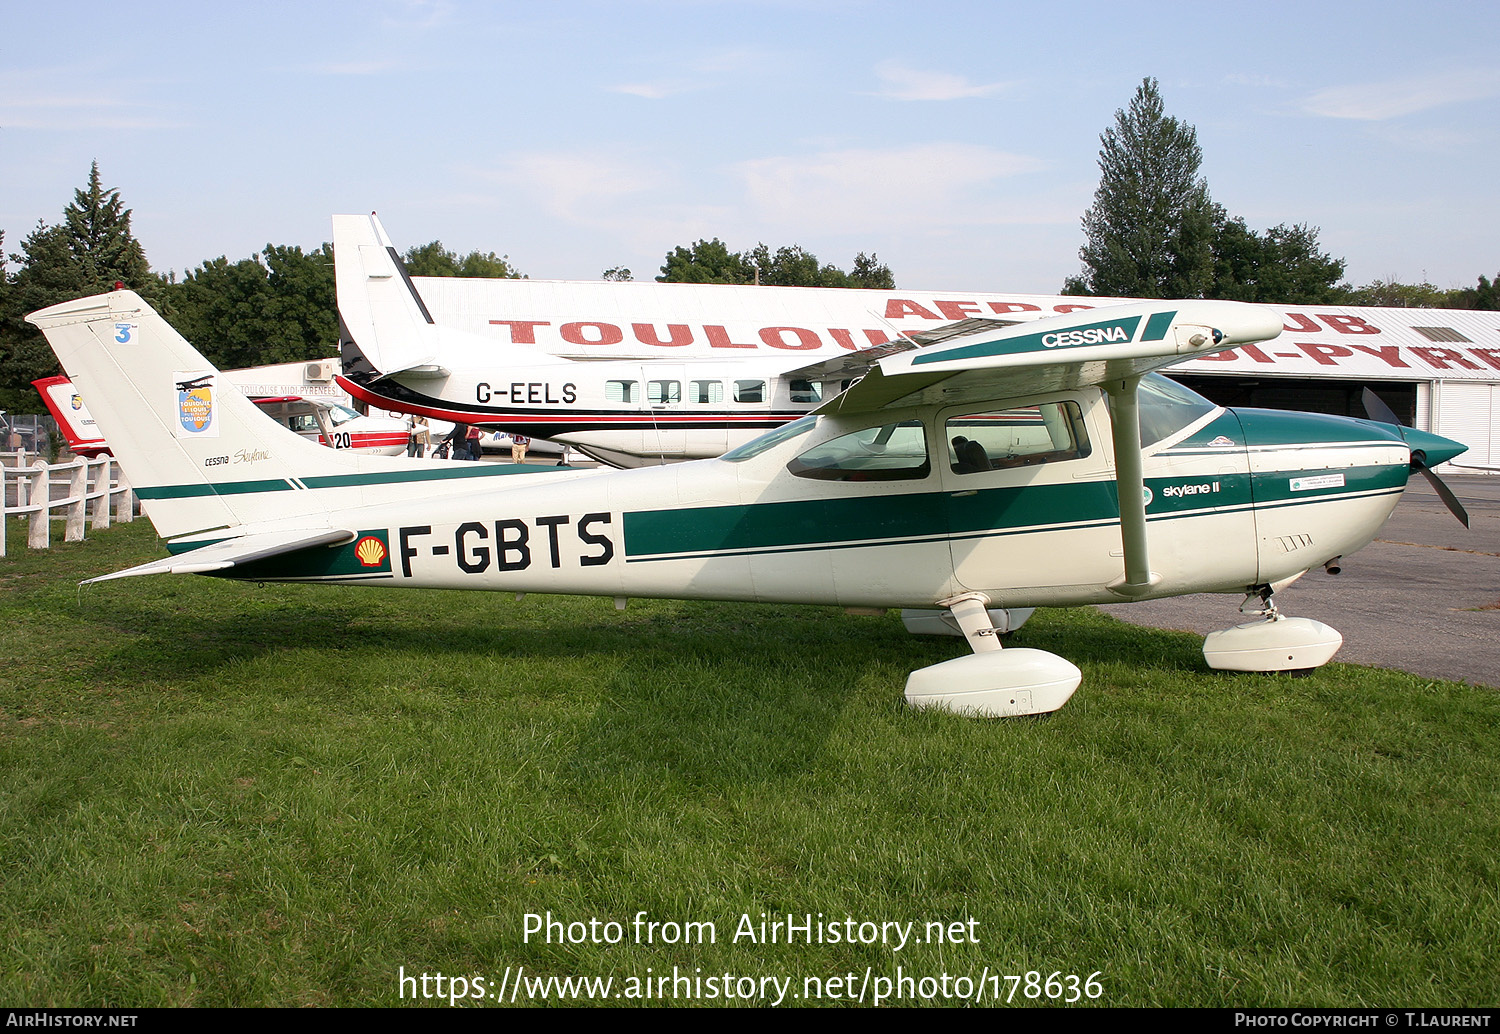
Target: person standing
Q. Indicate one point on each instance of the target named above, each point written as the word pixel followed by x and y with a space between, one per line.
pixel 518 444
pixel 473 437
pixel 418 436
pixel 458 442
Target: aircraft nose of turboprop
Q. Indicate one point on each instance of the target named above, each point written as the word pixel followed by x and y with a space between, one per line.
pixel 1434 447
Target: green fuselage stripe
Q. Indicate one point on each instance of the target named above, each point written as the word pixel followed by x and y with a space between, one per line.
pixel 220 488
pixel 804 524
pixel 385 477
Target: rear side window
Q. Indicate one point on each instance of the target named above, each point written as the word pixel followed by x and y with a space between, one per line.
pixel 1018 437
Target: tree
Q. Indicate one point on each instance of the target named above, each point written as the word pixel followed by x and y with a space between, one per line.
pixel 1396 295
pixel 870 272
pixel 617 273
pixel 1150 231
pixel 707 262
pixel 1284 266
pixel 793 266
pixel 435 260
pixel 711 262
pixel 277 307
pixel 1485 296
pixel 97 229
pixel 87 253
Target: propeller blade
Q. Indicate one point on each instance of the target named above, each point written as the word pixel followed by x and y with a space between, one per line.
pixel 1444 492
pixel 1377 410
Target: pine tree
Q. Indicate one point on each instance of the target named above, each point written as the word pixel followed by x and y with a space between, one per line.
pixel 87 253
pixel 97 228
pixel 1150 232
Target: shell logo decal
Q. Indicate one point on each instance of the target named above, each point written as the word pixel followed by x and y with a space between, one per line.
pixel 370 551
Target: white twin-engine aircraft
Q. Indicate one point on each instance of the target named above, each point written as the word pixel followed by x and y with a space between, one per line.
pixel 984 472
pixel 628 413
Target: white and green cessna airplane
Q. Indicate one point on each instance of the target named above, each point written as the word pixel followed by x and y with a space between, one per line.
pixel 980 473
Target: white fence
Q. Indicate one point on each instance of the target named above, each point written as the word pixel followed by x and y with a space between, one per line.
pixel 78 493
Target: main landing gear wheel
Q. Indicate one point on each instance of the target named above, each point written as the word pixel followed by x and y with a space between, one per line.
pixel 991 682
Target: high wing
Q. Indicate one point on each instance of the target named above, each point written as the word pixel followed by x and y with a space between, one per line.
pixel 1113 344
pixel 858 363
pixel 1111 347
pixel 220 556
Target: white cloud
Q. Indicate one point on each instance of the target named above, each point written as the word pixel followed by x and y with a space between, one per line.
pixel 651 91
pixel 65 112
pixel 1254 80
pixel 361 67
pixel 911 84
pixel 919 186
pixel 704 72
pixel 580 187
pixel 1397 97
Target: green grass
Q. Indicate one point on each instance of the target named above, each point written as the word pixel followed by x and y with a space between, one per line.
pixel 223 794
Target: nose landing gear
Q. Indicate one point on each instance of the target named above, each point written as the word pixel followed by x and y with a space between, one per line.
pixel 1272 643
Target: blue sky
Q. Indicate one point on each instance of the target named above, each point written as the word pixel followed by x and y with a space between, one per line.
pixel 958 141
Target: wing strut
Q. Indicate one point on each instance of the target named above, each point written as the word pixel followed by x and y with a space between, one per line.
pixel 1130 487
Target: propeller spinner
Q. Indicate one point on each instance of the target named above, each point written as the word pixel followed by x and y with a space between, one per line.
pixel 1424 446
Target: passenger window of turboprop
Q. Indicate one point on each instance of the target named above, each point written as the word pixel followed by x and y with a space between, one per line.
pixel 806 393
pixel 892 452
pixel 749 391
pixel 1018 437
pixel 622 391
pixel 707 392
pixel 664 393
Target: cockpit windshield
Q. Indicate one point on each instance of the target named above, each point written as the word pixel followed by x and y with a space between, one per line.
pixel 1167 407
pixel 338 414
pixel 771 438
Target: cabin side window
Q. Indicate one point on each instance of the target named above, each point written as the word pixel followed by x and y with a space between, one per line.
pixel 622 391
pixel 892 452
pixel 706 393
pixel 749 391
pixel 1018 437
pixel 664 393
pixel 806 393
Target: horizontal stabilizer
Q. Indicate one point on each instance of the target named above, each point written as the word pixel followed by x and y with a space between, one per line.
pixel 231 552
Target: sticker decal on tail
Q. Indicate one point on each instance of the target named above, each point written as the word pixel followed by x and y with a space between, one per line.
pixel 196 415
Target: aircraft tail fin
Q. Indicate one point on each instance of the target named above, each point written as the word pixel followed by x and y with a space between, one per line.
pixel 385 325
pixel 198 453
pixel 73 418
